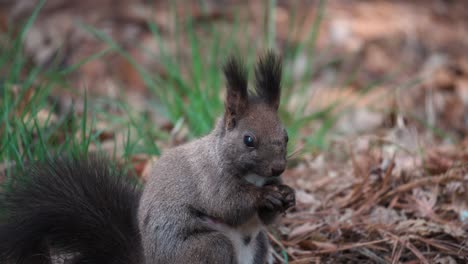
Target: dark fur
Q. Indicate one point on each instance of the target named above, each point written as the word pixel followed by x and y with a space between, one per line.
pixel 237 93
pixel 76 205
pixel 268 79
pixel 207 178
pixel 236 76
pixel 80 205
pixel 262 249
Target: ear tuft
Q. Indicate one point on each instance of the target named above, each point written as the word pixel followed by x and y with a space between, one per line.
pixel 268 78
pixel 236 75
pixel 237 94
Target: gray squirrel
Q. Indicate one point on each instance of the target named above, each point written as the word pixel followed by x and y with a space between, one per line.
pixel 206 201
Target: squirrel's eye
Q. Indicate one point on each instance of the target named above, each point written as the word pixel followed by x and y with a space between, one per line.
pixel 286 138
pixel 249 141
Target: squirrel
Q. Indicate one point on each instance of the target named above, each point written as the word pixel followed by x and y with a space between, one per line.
pixel 206 201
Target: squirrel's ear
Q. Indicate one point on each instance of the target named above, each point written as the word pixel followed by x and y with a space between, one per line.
pixel 268 79
pixel 237 95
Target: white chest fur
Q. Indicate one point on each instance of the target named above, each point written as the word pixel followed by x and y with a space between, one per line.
pixel 243 239
pixel 255 179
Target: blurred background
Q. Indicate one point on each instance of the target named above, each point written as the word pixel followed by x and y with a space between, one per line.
pixel 375 100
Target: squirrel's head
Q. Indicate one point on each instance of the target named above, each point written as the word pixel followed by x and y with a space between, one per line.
pixel 253 139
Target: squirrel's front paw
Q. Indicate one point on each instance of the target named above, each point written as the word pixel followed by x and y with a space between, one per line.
pixel 271 198
pixel 289 196
pixel 278 197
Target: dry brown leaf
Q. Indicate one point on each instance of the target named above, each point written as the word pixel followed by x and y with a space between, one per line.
pixel 384 216
pixel 316 245
pixel 303 230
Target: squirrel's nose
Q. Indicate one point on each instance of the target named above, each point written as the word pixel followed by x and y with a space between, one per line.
pixel 277 168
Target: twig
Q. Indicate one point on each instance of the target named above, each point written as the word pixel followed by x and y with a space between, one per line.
pixel 273 238
pixel 416 252
pixel 366 252
pixel 448 176
pixel 351 246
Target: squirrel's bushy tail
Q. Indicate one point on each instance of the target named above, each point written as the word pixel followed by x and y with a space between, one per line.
pixel 70 205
